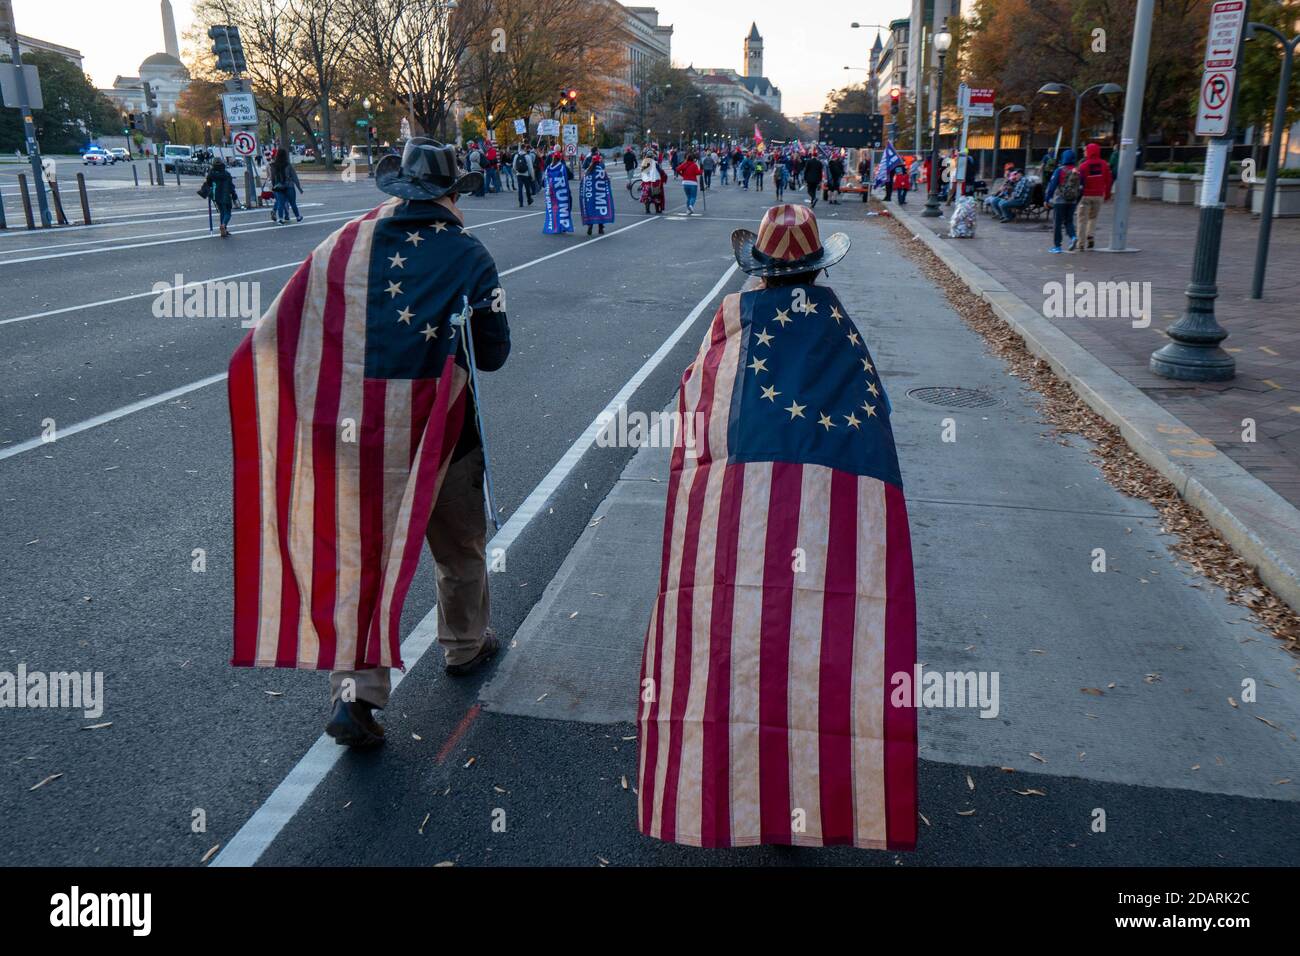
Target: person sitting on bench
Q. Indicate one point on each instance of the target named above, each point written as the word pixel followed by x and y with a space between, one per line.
pixel 1019 198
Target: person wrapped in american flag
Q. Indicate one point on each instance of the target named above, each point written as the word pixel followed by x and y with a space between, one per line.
pixel 786 597
pixel 355 438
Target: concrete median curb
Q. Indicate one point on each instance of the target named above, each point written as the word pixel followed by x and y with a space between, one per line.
pixel 1261 526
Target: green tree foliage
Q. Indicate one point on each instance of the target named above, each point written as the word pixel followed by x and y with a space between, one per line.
pixel 74 110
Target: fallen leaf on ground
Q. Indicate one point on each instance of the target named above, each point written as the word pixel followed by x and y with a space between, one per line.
pixel 1094 691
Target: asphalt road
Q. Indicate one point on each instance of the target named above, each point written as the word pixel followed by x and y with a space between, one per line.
pixel 99 527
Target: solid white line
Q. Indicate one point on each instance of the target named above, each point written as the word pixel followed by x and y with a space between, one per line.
pixel 260 830
pixel 206 236
pixel 112 416
pixel 198 282
pixel 138 218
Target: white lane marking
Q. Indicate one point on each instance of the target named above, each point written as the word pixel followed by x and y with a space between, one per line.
pixel 246 847
pixel 138 218
pixel 205 237
pixel 112 416
pixel 198 282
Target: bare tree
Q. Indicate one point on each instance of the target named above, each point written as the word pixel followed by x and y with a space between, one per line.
pixel 269 32
pixel 324 29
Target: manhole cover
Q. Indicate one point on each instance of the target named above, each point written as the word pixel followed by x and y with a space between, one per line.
pixel 954 397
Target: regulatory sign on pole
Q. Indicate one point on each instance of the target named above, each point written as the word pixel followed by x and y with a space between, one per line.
pixel 1215 106
pixel 9 87
pixel 979 102
pixel 570 149
pixel 245 143
pixel 570 134
pixel 1227 17
pixel 240 109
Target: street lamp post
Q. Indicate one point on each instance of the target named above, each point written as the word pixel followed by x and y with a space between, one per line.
pixel 1052 89
pixel 997 132
pixel 1274 147
pixel 942 40
pixel 370 138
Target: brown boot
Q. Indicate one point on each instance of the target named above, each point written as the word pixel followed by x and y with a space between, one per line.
pixel 488 651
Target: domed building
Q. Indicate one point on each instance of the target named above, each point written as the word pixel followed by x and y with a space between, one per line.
pixel 166 75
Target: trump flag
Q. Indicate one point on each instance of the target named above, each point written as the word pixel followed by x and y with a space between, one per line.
pixel 785 594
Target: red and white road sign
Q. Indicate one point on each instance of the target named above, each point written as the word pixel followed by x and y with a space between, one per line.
pixel 1227 17
pixel 570 149
pixel 979 102
pixel 245 143
pixel 1215 107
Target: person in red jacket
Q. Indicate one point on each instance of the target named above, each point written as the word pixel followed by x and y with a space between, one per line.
pixel 689 172
pixel 902 183
pixel 1097 182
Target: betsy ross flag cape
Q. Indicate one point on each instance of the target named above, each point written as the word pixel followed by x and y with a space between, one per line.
pixel 785 595
pixel 346 402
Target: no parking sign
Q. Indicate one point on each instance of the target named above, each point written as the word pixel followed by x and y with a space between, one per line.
pixel 245 143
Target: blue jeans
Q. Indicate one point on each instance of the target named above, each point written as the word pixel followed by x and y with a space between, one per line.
pixel 1063 215
pixel 494 180
pixel 285 199
pixel 724 175
pixel 224 211
pixel 692 190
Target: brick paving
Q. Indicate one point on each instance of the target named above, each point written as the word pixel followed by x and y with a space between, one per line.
pixel 1264 335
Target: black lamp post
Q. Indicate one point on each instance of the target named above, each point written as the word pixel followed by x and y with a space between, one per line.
pixel 997 133
pixel 1052 89
pixel 942 40
pixel 370 138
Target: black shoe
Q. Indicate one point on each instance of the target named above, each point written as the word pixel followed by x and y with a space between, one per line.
pixel 589 230
pixel 353 724
pixel 601 228
pixel 1091 242
pixel 485 653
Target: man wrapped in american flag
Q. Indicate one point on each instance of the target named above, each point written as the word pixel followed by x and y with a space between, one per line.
pixel 785 595
pixel 356 438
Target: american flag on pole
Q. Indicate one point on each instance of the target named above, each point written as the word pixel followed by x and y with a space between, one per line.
pixel 785 598
pixel 346 402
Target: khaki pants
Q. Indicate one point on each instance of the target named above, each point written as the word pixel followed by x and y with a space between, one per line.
pixel 457 536
pixel 1085 217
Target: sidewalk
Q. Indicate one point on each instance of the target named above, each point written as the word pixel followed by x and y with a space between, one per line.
pixel 1003 521
pixel 1264 335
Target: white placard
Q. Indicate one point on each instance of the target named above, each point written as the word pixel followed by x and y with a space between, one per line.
pixel 1216 165
pixel 1221 44
pixel 548 127
pixel 240 109
pixel 521 127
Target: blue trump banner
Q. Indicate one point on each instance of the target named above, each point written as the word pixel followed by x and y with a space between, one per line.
pixel 559 212
pixel 888 163
pixel 597 197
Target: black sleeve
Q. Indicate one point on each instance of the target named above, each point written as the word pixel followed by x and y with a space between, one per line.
pixel 488 324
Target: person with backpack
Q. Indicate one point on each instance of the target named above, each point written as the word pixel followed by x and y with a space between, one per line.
pixel 523 166
pixel 219 187
pixel 1097 183
pixel 780 176
pixel 760 164
pixel 1064 190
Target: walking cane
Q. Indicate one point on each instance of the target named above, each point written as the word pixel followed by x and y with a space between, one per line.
pixel 461 321
pixel 209 214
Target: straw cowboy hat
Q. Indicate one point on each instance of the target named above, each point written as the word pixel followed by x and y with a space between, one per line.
pixel 787 242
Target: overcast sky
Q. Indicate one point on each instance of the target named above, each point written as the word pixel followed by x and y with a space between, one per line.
pixel 805 45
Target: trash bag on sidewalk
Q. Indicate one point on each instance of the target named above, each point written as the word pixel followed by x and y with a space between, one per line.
pixel 962 224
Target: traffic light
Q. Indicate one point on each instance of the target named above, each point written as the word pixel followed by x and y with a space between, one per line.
pixel 150 101
pixel 228 49
pixel 894 93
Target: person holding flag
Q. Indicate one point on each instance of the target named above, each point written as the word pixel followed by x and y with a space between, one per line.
pixel 885 171
pixel 557 202
pixel 596 193
pixel 770 710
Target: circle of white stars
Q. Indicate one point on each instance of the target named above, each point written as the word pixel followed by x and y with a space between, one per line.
pixel 758 365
